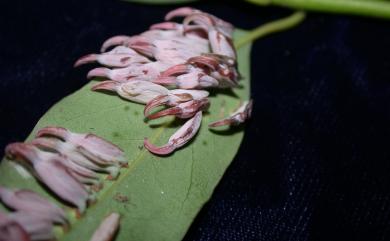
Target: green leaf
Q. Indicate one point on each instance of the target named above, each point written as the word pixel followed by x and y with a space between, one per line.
pixel 160 1
pixel 158 197
pixel 368 8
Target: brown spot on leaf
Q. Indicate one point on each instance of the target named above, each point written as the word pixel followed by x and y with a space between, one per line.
pixel 111 178
pixel 97 187
pixel 125 165
pixel 121 198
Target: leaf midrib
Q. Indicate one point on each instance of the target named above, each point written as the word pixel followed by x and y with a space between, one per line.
pixel 106 193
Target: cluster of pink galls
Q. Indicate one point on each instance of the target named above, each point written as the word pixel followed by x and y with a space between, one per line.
pixel 169 65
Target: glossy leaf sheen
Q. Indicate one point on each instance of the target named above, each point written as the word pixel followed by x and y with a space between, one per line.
pixel 157 197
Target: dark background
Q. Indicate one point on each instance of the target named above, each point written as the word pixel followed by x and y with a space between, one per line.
pixel 314 164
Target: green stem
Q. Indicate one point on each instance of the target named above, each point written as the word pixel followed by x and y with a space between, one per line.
pixel 370 8
pixel 272 27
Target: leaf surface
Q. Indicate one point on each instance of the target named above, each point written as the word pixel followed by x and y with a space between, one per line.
pixel 158 197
